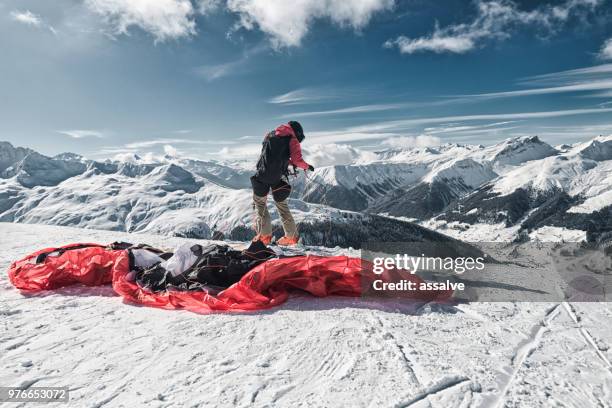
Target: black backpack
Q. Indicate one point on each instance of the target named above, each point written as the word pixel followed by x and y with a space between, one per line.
pixel 274 160
pixel 217 265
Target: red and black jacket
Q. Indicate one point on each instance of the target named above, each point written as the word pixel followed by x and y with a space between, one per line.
pixel 280 148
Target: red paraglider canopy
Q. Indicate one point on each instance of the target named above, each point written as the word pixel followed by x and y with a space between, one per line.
pixel 267 285
pixel 52 268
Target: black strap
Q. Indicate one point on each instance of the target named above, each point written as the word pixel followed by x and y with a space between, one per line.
pixel 41 257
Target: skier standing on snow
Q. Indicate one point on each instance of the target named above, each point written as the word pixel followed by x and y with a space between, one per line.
pixel 281 147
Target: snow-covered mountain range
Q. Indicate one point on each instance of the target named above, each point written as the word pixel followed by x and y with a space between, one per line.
pixel 515 189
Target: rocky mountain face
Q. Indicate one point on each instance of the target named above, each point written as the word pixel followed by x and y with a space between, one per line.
pixel 10 155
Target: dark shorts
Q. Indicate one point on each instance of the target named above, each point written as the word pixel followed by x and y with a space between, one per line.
pixel 280 191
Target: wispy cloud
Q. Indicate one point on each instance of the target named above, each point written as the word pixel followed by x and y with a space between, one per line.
pixel 26 17
pixel 579 87
pixel 603 128
pixel 81 133
pixel 352 109
pixel 159 142
pixel 495 20
pixel 348 135
pixel 606 50
pixel 571 76
pixel 455 128
pixel 31 19
pixel 399 128
pixel 305 96
pixel 443 101
pixel 572 133
pixel 217 71
pixel 398 125
pixel 594 81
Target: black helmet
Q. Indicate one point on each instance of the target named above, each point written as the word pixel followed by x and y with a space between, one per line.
pixel 297 129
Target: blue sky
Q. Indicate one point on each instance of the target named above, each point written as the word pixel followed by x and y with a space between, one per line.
pixel 207 78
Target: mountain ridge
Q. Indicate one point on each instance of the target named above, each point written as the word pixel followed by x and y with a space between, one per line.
pixel 522 183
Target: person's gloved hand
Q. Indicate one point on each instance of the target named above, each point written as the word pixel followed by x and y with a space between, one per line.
pixel 310 167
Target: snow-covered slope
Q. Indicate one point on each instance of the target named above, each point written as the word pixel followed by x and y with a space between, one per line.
pixel 516 151
pixel 596 187
pixel 329 352
pixel 419 183
pixel 444 183
pixel 568 190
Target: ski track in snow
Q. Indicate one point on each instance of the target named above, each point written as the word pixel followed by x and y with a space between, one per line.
pixel 309 352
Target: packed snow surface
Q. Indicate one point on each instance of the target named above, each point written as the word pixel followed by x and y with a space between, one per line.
pixel 309 352
pixel 557 234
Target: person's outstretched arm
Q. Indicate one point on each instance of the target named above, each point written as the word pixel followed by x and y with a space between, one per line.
pixel 296 159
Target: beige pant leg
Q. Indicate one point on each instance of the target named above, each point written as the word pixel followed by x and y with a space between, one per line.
pixel 263 224
pixel 286 218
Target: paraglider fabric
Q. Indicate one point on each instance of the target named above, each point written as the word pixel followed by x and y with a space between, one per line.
pixel 267 285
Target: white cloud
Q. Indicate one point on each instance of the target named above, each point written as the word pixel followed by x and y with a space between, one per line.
pixel 287 22
pixel 496 19
pixel 170 150
pixel 164 19
pixel 606 50
pixel 81 133
pixel 26 17
pixel 437 42
pixel 127 157
pixel 207 6
pixel 242 152
pixel 331 154
pixel 412 141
